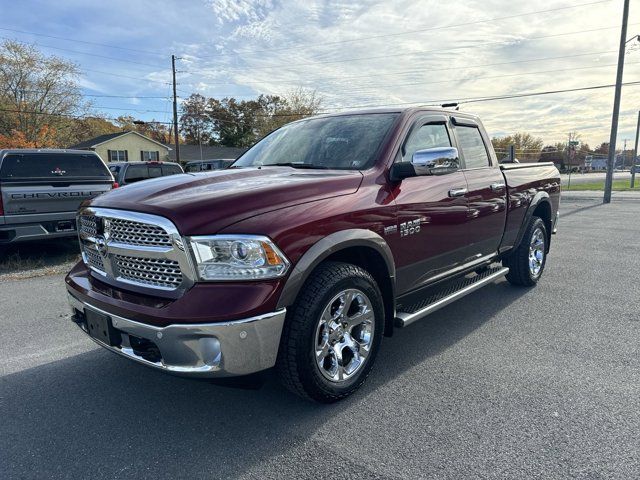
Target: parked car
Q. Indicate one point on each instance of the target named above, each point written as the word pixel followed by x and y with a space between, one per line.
pixel 206 165
pixel 41 190
pixel 131 172
pixel 325 236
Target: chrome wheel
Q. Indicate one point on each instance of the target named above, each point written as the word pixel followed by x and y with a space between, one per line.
pixel 536 252
pixel 344 335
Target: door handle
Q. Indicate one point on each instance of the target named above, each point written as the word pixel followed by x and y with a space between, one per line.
pixel 457 192
pixel 497 187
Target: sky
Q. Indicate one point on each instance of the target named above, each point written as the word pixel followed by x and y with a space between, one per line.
pixel 360 53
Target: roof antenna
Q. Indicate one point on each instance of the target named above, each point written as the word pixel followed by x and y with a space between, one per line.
pixel 451 105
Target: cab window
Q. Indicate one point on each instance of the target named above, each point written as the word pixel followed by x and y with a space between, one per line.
pixel 431 135
pixel 472 147
pixel 135 173
pixel 170 170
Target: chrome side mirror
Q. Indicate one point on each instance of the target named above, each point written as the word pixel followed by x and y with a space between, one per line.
pixel 436 161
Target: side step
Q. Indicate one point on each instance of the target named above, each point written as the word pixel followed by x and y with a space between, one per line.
pixel 465 286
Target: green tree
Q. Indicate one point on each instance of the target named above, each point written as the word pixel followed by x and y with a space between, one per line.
pixel 240 123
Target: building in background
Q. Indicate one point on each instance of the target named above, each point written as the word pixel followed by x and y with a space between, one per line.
pixel 126 147
pixel 205 152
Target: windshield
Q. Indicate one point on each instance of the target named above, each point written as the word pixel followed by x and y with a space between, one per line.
pixel 349 142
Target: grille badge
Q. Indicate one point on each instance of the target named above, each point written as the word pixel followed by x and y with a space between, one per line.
pixel 101 245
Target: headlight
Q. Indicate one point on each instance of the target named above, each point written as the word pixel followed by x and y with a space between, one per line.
pixel 237 257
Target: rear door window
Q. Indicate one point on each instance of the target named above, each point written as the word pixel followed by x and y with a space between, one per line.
pixel 135 173
pixel 171 170
pixel 474 151
pixel 155 171
pixel 52 166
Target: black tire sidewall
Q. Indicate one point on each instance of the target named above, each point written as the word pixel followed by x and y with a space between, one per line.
pixel 309 372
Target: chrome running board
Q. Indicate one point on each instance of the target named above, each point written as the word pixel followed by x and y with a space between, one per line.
pixel 463 287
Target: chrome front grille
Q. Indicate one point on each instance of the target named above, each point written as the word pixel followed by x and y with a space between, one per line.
pixel 135 251
pixel 93 258
pixel 88 225
pixel 155 272
pixel 137 233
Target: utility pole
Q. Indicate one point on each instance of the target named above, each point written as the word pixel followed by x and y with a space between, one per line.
pixel 175 109
pixel 608 184
pixel 635 154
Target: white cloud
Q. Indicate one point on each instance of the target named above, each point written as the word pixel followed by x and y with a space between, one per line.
pixel 344 50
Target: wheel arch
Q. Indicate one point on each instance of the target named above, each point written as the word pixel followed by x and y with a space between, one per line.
pixel 540 206
pixel 360 247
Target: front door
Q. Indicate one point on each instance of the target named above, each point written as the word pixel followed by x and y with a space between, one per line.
pixel 432 212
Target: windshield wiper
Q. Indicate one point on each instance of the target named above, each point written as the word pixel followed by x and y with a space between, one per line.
pixel 296 165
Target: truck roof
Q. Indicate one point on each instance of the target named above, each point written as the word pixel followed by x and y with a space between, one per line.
pixel 406 111
pixel 47 150
pixel 143 162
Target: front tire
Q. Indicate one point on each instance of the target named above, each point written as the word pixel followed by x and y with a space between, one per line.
pixel 332 333
pixel 526 263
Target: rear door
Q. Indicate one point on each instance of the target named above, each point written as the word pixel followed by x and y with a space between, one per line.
pixel 487 192
pixel 432 211
pixel 48 182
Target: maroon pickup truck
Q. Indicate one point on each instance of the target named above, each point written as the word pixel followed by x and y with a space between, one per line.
pixel 317 242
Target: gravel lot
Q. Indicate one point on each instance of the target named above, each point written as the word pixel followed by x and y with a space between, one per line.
pixel 507 383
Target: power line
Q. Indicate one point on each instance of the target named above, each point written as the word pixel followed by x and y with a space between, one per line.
pixel 362 88
pixel 82 41
pixel 126 76
pixel 94 55
pixel 439 102
pixel 104 96
pixel 406 32
pixel 63 115
pixel 431 103
pixel 417 52
pixel 430 70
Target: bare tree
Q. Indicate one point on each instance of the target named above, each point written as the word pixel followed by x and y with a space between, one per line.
pixel 39 95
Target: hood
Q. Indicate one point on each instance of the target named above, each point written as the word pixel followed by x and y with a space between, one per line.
pixel 204 203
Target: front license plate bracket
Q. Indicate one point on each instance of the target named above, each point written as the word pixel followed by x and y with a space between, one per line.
pixel 100 327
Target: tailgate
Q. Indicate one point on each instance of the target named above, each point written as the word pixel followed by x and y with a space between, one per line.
pixel 48 182
pixel 25 198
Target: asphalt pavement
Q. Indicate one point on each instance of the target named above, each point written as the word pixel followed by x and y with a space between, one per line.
pixel 506 383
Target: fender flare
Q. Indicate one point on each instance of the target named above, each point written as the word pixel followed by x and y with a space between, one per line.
pixel 538 199
pixel 328 245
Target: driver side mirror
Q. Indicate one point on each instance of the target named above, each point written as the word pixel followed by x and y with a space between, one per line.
pixel 430 161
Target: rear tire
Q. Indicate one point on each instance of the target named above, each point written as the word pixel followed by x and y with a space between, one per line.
pixel 526 263
pixel 332 333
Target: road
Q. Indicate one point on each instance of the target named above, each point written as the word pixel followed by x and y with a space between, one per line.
pixel 507 383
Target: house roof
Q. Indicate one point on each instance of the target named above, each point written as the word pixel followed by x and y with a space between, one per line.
pixel 94 142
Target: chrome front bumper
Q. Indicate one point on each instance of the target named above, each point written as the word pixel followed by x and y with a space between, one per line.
pixel 200 350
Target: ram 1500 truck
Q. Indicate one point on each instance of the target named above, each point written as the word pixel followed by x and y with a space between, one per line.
pixel 41 190
pixel 317 242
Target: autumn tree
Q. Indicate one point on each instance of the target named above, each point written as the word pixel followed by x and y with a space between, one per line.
pixel 527 146
pixel 91 127
pixel 39 96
